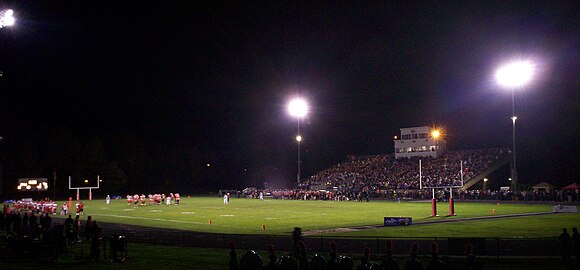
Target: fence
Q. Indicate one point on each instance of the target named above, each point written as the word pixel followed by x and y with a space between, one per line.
pixel 492 247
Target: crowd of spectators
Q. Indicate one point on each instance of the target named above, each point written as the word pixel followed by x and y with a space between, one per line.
pixel 25 230
pixel 382 176
pixel 360 178
pixel 300 259
pixel 384 172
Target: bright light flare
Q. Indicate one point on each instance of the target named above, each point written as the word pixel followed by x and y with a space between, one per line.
pixel 298 107
pixel 298 138
pixel 435 134
pixel 515 74
pixel 7 18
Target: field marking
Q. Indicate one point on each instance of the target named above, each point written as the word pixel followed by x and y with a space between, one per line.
pixel 128 209
pixel 167 220
pixel 226 215
pixel 187 213
pixel 155 211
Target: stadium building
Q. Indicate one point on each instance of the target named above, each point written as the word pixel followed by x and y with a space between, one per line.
pixel 419 142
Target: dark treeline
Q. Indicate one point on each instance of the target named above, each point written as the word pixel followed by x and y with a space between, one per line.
pixel 123 160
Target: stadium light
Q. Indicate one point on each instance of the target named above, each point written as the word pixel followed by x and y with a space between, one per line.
pixel 435 134
pixel 484 184
pixel 298 108
pixel 515 74
pixel 7 18
pixel 512 76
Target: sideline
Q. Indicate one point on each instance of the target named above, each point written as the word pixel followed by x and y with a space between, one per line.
pixel 426 222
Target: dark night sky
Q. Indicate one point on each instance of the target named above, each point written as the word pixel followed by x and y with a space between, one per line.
pixel 218 76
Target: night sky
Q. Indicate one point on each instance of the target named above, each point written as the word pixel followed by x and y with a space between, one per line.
pixel 207 83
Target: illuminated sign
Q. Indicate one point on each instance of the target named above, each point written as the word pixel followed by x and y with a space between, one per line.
pixel 32 184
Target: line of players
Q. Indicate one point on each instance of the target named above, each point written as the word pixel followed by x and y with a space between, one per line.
pixel 154 199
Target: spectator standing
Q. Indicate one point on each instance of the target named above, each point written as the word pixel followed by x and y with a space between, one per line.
pixel 45 223
pixel 576 245
pixel 95 241
pixel 331 264
pixel 296 239
pixel 412 263
pixel 435 263
pixel 88 228
pixel 565 245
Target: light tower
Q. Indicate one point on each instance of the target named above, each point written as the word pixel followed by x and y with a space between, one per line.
pixel 514 76
pixel 298 108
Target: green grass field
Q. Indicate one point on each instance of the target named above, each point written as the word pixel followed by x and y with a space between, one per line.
pixel 246 216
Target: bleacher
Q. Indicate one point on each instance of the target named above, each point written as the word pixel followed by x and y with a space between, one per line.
pixel 384 172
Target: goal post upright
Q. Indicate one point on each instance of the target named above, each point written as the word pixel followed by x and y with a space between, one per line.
pixel 451 201
pixel 433 200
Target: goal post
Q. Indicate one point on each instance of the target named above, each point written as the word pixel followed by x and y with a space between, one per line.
pixel 434 199
pixel 90 188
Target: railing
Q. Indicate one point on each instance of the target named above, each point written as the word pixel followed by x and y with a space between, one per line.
pixel 493 247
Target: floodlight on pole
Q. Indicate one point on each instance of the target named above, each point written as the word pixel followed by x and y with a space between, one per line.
pixel 512 76
pixel 436 134
pixel 298 108
pixel 7 18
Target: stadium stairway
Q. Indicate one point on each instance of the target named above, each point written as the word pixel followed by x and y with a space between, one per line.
pixel 479 177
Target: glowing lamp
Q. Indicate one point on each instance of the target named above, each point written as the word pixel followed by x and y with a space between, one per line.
pixel 515 74
pixel 298 107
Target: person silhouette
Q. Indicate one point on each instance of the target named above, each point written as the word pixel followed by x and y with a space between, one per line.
pixel 565 245
pixel 576 244
pixel 435 263
pixel 412 263
pixel 389 263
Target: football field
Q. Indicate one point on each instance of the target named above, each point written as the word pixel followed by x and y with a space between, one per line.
pixel 246 216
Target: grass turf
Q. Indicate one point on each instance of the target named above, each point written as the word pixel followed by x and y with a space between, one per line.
pixel 246 216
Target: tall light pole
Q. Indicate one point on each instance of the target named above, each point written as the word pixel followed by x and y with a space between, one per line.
pixel 298 108
pixel 514 76
pixel 6 19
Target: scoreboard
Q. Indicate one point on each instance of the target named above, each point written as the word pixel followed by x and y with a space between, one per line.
pixel 32 184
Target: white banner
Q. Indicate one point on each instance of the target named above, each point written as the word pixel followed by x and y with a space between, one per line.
pixel 565 209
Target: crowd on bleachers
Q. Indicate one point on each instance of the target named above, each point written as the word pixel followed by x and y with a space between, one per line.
pixel 383 176
pixel 383 172
pixel 360 178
